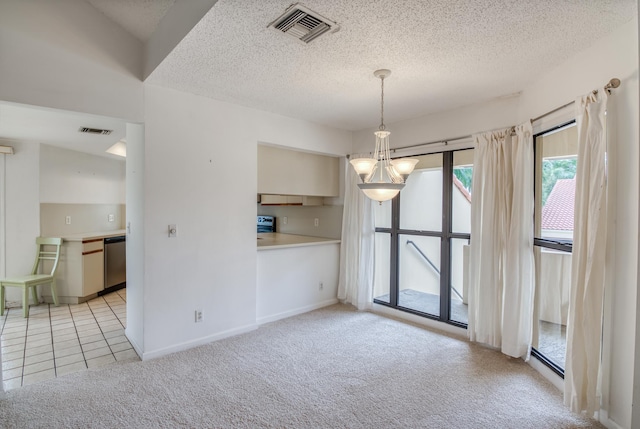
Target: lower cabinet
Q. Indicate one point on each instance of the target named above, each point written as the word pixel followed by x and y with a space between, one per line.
pixel 92 267
pixel 80 274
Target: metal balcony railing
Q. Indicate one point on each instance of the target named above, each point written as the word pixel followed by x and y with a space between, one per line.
pixel 426 258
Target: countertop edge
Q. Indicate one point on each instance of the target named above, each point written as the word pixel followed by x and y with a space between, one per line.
pixel 285 246
pixel 93 235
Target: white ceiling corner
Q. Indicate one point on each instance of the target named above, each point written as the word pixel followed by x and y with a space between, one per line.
pixel 140 18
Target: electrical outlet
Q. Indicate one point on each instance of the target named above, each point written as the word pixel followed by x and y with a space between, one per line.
pixel 111 217
pixel 316 222
pixel 321 285
pixel 67 220
pixel 199 316
pixel 285 220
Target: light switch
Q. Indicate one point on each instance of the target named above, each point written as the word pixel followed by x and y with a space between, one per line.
pixel 173 232
pixel 67 220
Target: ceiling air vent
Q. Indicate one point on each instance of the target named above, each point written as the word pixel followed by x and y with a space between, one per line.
pixel 303 24
pixel 95 131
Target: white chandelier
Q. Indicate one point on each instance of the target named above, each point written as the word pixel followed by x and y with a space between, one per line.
pixel 392 172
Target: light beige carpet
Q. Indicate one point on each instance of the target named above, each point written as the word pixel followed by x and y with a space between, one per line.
pixel 331 368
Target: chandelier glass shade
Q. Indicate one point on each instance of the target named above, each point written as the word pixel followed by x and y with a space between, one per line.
pixel 382 177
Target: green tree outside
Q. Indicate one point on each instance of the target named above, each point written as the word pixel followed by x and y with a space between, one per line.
pixel 552 171
pixel 464 175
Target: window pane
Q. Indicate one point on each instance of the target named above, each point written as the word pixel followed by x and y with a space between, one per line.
pixel 556 154
pixel 419 271
pixel 553 282
pixel 382 213
pixel 459 278
pixel 461 198
pixel 421 198
pixel 382 261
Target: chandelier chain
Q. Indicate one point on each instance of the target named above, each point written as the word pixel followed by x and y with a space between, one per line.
pixel 382 127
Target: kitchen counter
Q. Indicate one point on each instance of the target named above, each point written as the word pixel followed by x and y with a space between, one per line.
pixel 84 236
pixel 295 274
pixel 276 240
pixel 81 273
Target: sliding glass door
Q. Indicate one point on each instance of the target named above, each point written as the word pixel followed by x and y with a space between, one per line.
pixel 422 237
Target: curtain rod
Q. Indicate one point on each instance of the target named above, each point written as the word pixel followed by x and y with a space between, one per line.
pixel 613 83
pixel 443 141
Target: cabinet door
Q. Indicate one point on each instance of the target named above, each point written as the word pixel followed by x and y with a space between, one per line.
pixel 290 172
pixel 93 273
pixel 92 267
pixel 69 273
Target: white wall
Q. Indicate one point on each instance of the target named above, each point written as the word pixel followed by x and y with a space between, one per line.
pixel 22 210
pixel 71 177
pixel 192 181
pixel 635 416
pixel 65 54
pixel 135 236
pixel 52 174
pixel 296 133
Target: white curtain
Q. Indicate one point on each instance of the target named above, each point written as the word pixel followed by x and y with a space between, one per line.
pixel 355 284
pixel 501 264
pixel 584 327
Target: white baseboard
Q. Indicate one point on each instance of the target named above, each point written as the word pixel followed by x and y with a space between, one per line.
pixel 296 311
pixel 558 382
pixel 433 324
pixel 197 342
pixel 547 373
pixel 135 345
pixel 605 420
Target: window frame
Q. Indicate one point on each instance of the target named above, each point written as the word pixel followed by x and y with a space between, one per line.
pixel 546 243
pixel 445 235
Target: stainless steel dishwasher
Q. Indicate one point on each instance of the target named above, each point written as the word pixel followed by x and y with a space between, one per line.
pixel 115 263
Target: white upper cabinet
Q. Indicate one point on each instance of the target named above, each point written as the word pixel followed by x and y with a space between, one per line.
pixel 290 172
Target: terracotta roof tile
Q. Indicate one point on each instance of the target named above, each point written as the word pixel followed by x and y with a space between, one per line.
pixel 557 213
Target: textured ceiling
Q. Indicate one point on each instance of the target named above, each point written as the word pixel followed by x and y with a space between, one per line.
pixel 138 17
pixel 443 54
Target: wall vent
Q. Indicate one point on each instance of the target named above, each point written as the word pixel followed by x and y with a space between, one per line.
pixel 303 24
pixel 95 131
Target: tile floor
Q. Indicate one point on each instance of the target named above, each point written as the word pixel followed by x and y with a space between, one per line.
pixel 54 341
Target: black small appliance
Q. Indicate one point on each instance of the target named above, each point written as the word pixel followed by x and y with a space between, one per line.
pixel 266 224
